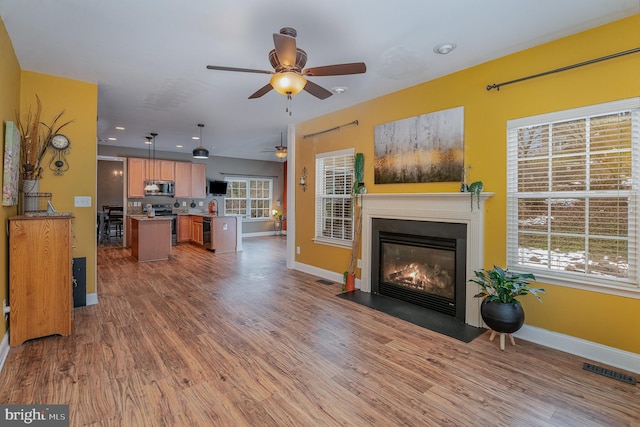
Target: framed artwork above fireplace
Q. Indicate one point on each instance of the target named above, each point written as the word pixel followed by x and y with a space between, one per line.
pixel 425 148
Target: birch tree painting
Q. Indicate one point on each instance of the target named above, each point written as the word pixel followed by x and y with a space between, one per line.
pixel 426 148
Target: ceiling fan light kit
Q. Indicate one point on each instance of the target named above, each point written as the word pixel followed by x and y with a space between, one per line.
pixel 289 77
pixel 200 152
pixel 288 83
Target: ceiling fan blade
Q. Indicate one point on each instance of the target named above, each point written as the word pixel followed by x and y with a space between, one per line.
pixel 336 70
pixel 262 91
pixel 243 70
pixel 285 49
pixel 316 90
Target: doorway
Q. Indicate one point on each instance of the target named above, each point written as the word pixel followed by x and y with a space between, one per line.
pixel 110 198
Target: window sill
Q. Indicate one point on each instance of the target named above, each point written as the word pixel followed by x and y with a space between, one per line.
pixel 335 243
pixel 603 287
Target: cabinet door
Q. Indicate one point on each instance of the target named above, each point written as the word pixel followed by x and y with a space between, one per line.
pixel 183 179
pixel 135 177
pixel 165 170
pixel 41 298
pixel 184 228
pixel 198 180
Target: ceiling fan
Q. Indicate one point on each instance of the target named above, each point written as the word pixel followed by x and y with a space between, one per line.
pixel 280 150
pixel 289 76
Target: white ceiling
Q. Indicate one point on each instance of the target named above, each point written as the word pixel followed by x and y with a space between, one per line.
pixel 148 57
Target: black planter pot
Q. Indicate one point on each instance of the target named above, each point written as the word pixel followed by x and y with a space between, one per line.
pixel 502 317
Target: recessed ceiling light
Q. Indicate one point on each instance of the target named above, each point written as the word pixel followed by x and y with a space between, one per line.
pixel 339 90
pixel 148 142
pixel 119 127
pixel 444 48
pixel 179 146
pixel 112 139
pixel 195 138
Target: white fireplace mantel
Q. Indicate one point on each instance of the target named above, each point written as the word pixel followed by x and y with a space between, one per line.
pixel 438 207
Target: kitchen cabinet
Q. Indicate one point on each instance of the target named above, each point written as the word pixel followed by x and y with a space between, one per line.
pixel 40 277
pixel 198 180
pixel 183 179
pixel 184 228
pixel 164 170
pixel 136 173
pixel 196 230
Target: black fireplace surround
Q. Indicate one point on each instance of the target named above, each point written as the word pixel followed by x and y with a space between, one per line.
pixel 421 262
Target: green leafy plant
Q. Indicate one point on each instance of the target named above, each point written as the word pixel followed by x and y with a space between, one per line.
pixel 501 285
pixel 476 188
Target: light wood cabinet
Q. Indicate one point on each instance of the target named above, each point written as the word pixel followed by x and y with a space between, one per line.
pixel 196 230
pixel 164 170
pixel 40 277
pixel 136 172
pixel 184 228
pixel 183 179
pixel 198 180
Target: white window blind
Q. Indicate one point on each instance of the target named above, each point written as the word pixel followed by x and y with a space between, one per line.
pixel 334 208
pixel 249 197
pixel 572 181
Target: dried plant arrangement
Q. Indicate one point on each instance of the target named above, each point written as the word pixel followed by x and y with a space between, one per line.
pixel 34 140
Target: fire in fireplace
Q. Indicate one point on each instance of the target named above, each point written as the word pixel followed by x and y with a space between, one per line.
pixel 421 262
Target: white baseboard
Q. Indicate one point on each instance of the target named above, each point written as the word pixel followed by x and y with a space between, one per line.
pixel 325 274
pixel 572 345
pixel 262 233
pixel 92 298
pixel 583 348
pixel 4 349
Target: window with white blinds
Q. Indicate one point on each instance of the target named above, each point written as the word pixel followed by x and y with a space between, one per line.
pixel 249 197
pixel 334 204
pixel 572 182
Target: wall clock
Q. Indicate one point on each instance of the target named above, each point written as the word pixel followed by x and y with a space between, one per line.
pixel 60 145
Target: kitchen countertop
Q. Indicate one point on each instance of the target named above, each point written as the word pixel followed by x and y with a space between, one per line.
pixel 146 218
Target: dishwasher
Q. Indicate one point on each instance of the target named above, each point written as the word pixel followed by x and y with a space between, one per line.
pixel 207 239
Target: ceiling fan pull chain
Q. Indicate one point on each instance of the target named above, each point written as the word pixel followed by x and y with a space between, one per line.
pixel 288 109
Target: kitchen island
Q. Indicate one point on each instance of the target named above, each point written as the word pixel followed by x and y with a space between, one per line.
pixel 150 238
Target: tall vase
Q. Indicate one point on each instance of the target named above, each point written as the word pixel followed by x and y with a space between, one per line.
pixel 29 187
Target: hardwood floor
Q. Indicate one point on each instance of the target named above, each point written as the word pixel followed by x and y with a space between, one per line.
pixel 238 340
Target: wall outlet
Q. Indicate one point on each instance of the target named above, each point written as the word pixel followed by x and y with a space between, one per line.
pixel 359 263
pixel 200 203
pixel 298 250
pixel 184 204
pixel 82 201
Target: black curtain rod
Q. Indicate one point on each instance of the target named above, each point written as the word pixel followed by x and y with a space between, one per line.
pixel 568 67
pixel 355 122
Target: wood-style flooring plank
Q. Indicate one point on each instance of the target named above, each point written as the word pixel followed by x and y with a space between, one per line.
pixel 236 339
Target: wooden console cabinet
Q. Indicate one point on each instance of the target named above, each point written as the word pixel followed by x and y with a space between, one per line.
pixel 40 277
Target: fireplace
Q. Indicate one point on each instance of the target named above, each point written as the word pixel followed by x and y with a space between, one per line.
pixel 441 209
pixel 421 262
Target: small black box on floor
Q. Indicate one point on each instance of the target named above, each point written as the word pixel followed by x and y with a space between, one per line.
pixel 79 282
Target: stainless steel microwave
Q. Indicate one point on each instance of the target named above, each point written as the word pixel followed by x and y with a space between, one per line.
pixel 164 188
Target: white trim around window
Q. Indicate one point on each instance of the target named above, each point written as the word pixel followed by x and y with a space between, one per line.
pixel 572 197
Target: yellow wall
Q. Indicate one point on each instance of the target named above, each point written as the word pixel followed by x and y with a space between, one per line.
pixel 9 104
pixel 601 318
pixel 79 100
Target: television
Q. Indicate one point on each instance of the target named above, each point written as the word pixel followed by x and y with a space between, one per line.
pixel 218 188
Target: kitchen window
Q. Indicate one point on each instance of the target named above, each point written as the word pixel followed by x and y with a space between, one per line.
pixel 334 204
pixel 249 197
pixel 572 186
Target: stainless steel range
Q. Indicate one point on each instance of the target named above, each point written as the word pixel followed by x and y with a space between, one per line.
pixel 167 210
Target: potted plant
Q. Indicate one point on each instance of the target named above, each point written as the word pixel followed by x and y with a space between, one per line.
pixel 500 309
pixel 357 189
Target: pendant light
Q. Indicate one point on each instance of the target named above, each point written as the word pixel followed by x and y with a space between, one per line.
pixel 150 185
pixel 200 152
